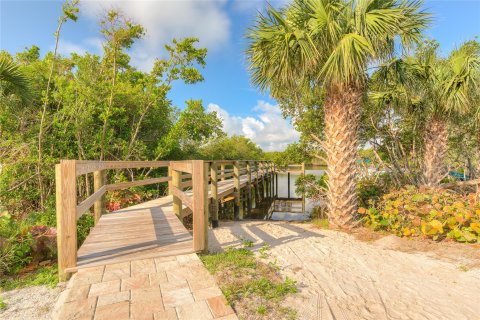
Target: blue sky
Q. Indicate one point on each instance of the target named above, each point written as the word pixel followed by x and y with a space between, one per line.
pixel 221 26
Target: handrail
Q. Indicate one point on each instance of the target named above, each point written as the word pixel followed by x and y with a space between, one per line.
pixel 88 166
pixel 68 211
pixel 201 177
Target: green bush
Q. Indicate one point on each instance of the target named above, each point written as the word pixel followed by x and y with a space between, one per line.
pixel 431 213
pixel 16 244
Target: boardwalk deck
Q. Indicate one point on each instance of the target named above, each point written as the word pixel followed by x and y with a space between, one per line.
pixel 147 230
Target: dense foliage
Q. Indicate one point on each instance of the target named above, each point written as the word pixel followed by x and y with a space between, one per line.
pixel 94 107
pixel 231 148
pixel 432 213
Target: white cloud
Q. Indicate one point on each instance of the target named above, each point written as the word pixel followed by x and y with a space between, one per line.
pixel 267 128
pixel 65 48
pixel 167 19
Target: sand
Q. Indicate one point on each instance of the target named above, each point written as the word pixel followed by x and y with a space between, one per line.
pixel 33 303
pixel 341 277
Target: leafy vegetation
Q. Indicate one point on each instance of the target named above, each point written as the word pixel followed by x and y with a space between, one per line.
pixel 430 213
pixel 47 276
pixel 252 287
pixel 231 148
pixel 320 74
pixel 94 107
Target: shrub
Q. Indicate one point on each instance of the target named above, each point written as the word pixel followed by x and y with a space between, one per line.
pixel 431 213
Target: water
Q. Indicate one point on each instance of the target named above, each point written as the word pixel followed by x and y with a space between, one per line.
pixel 283 193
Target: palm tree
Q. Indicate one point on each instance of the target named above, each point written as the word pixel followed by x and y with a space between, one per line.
pixel 443 88
pixel 330 43
pixel 13 81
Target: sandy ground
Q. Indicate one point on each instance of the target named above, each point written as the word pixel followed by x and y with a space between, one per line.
pixel 33 303
pixel 341 277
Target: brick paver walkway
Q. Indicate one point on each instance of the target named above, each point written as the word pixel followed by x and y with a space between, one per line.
pixel 177 287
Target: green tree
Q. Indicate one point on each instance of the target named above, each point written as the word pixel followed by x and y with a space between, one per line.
pixel 231 148
pixel 434 89
pixel 329 44
pixel 294 153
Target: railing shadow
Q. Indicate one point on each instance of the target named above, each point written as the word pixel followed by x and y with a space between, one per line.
pixel 252 231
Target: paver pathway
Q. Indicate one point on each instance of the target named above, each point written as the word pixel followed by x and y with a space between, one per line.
pixel 176 287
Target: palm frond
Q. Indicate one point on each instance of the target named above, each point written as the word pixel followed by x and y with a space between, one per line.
pixel 13 81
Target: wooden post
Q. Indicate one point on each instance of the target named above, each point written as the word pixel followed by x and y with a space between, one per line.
pixel 288 184
pixel 264 183
pixel 249 188
pixel 222 171
pixel 303 193
pixel 200 204
pixel 276 184
pixel 177 202
pixel 66 205
pixel 236 185
pixel 99 206
pixel 170 182
pixel 214 191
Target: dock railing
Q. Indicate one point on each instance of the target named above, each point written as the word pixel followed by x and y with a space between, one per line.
pixel 193 183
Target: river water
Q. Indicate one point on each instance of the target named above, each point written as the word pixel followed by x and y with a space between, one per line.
pixel 283 193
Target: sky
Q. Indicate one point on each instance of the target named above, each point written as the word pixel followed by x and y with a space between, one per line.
pixel 221 27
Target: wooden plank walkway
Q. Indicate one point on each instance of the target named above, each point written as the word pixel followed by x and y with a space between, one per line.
pixel 138 263
pixel 146 230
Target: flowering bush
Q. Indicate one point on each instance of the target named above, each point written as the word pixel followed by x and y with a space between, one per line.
pixel 431 213
pixel 122 199
pixel 125 198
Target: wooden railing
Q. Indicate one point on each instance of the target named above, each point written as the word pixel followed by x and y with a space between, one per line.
pixel 193 183
pixel 201 194
pixel 68 211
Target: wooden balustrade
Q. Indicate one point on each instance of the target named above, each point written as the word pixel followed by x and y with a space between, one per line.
pixel 193 183
pixel 69 211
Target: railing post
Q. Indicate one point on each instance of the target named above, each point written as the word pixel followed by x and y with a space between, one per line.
pixel 249 188
pixel 176 182
pixel 303 193
pixel 222 171
pixel 98 182
pixel 170 183
pixel 268 180
pixel 276 183
pixel 200 204
pixel 66 205
pixel 264 183
pixel 236 185
pixel 214 191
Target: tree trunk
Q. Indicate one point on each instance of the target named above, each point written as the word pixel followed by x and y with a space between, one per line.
pixel 342 114
pixel 436 140
pixel 476 172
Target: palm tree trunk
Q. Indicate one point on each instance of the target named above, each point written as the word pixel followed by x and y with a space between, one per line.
pixel 436 140
pixel 342 114
pixel 476 172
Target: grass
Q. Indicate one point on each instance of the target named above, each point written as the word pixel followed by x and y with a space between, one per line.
pixel 252 287
pixel 3 306
pixel 463 268
pixel 320 223
pixel 43 276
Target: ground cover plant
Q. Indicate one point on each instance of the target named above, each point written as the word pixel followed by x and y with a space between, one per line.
pixel 432 213
pixel 47 275
pixel 253 288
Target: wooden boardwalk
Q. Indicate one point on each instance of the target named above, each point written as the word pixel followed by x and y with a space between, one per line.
pixel 140 262
pixel 146 230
